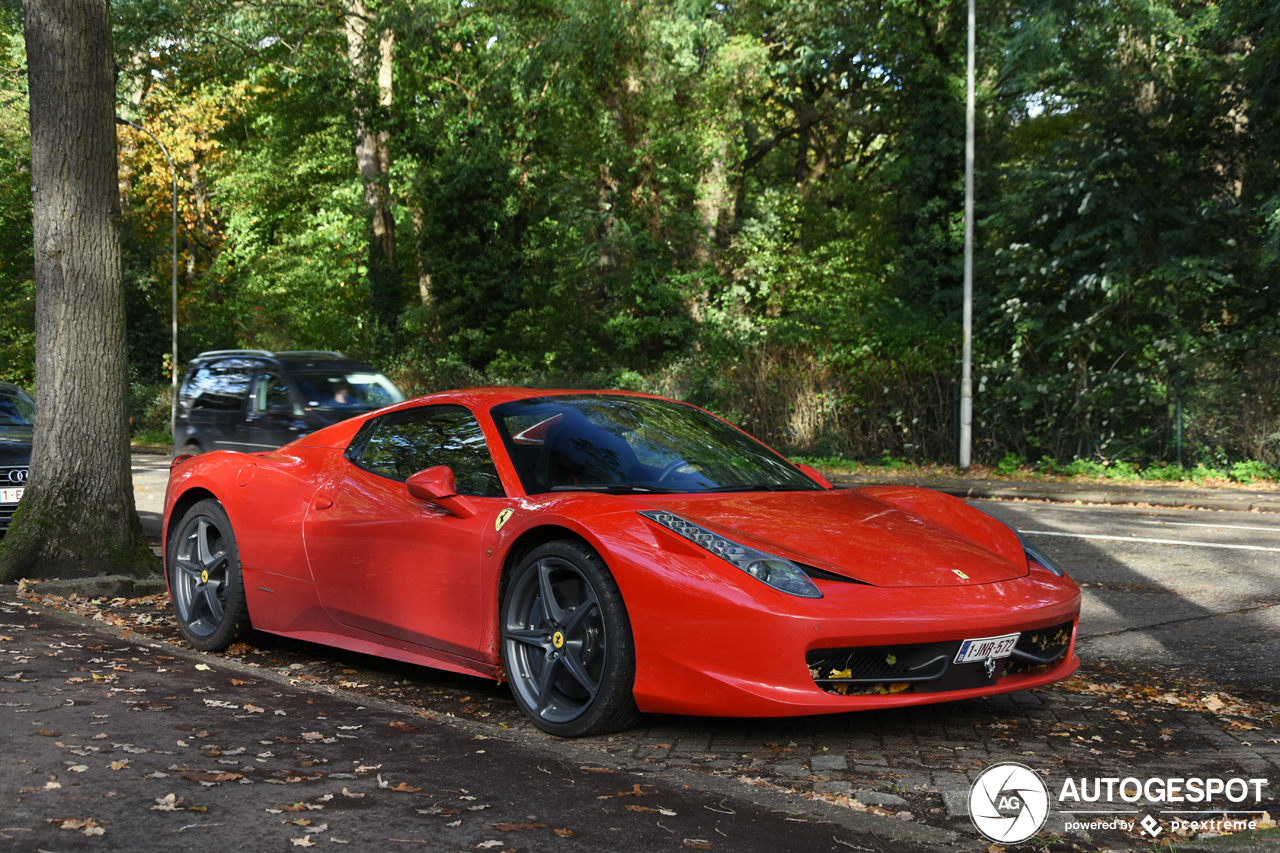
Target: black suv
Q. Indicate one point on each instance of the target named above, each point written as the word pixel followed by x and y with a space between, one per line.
pixel 17 416
pixel 252 400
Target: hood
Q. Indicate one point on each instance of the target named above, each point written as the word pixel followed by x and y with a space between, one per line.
pixel 851 534
pixel 15 446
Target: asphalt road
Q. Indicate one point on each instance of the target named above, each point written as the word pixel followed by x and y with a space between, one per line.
pixel 1168 589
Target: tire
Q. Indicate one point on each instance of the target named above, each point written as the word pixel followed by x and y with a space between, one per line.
pixel 192 449
pixel 205 583
pixel 567 644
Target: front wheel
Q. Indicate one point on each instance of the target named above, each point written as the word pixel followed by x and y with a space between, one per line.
pixel 567 644
pixel 205 582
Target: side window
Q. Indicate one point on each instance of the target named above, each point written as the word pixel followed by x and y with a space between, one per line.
pixel 220 386
pixel 271 394
pixel 402 444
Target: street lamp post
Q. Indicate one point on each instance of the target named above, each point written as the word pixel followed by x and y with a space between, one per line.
pixel 966 374
pixel 173 367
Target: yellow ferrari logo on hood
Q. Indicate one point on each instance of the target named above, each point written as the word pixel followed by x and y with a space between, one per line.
pixel 960 574
pixel 503 517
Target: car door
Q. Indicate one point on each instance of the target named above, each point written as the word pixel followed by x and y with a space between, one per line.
pixel 273 418
pixel 388 562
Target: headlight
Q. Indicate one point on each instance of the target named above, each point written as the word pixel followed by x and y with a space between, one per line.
pixel 777 572
pixel 1041 557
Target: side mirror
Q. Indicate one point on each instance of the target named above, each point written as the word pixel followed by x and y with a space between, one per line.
pixel 438 485
pixel 815 476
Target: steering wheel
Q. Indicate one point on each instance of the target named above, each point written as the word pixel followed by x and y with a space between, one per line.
pixel 680 466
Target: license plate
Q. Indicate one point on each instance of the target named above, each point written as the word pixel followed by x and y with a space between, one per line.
pixel 987 647
pixel 10 496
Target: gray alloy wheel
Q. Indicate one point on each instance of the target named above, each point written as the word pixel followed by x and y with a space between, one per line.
pixel 567 644
pixel 204 579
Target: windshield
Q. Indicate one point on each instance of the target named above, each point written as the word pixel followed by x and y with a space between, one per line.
pixel 16 408
pixel 635 444
pixel 346 389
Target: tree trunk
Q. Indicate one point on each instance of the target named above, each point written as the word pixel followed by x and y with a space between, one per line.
pixel 373 158
pixel 77 515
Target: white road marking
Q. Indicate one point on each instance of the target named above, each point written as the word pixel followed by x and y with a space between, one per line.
pixel 1214 526
pixel 1157 541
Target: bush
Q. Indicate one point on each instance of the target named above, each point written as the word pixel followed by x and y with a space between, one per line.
pixel 1167 473
pixel 1251 472
pixel 1085 468
pixel 1011 464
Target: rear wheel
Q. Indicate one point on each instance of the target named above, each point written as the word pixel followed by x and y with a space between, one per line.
pixel 567 643
pixel 205 582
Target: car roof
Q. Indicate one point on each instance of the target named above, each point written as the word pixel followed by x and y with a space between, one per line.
pixel 494 395
pixel 9 386
pixel 288 358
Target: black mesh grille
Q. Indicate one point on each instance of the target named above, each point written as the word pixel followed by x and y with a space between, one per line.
pixel 824 575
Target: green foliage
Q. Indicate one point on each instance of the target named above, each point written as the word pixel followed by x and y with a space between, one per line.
pixel 753 206
pixel 1011 464
pixel 1084 468
pixel 1251 471
pixel 17 281
pixel 1168 473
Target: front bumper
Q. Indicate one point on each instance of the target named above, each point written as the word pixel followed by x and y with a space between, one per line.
pixel 747 652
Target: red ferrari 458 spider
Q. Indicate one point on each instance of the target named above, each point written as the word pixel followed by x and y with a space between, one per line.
pixel 611 553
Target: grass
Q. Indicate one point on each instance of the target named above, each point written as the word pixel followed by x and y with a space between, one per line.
pixel 1013 467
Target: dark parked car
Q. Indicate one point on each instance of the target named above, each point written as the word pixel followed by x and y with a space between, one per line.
pixel 250 400
pixel 17 416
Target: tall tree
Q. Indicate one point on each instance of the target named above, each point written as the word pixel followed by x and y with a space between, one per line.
pixel 77 516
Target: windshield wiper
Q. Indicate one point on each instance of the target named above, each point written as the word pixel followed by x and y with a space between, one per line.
pixel 613 488
pixel 755 487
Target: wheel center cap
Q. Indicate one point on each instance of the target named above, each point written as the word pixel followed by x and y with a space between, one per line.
pixel 204 576
pixel 557 639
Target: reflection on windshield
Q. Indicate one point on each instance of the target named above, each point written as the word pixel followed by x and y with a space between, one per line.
pixel 16 408
pixel 618 444
pixel 355 390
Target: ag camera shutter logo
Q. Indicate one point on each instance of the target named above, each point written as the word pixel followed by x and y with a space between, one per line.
pixel 1008 802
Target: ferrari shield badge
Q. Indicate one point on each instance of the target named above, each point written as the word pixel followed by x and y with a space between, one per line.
pixel 503 518
pixel 958 573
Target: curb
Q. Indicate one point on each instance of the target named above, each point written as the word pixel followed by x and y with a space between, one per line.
pixel 102 586
pixel 1085 494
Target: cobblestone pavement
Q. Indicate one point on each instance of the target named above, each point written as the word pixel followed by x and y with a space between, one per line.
pixel 908 771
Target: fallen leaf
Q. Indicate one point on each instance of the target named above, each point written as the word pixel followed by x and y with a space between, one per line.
pixel 86 826
pixel 401 726
pixel 697 843
pixel 119 765
pixel 640 809
pixel 519 827
pixel 304 841
pixel 78 768
pixel 634 792
pixel 48 733
pixel 347 793
pixel 212 777
pixel 204 667
pixel 238 683
pixel 485 845
pixel 431 810
pixel 253 709
pixel 404 788
pixel 565 833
